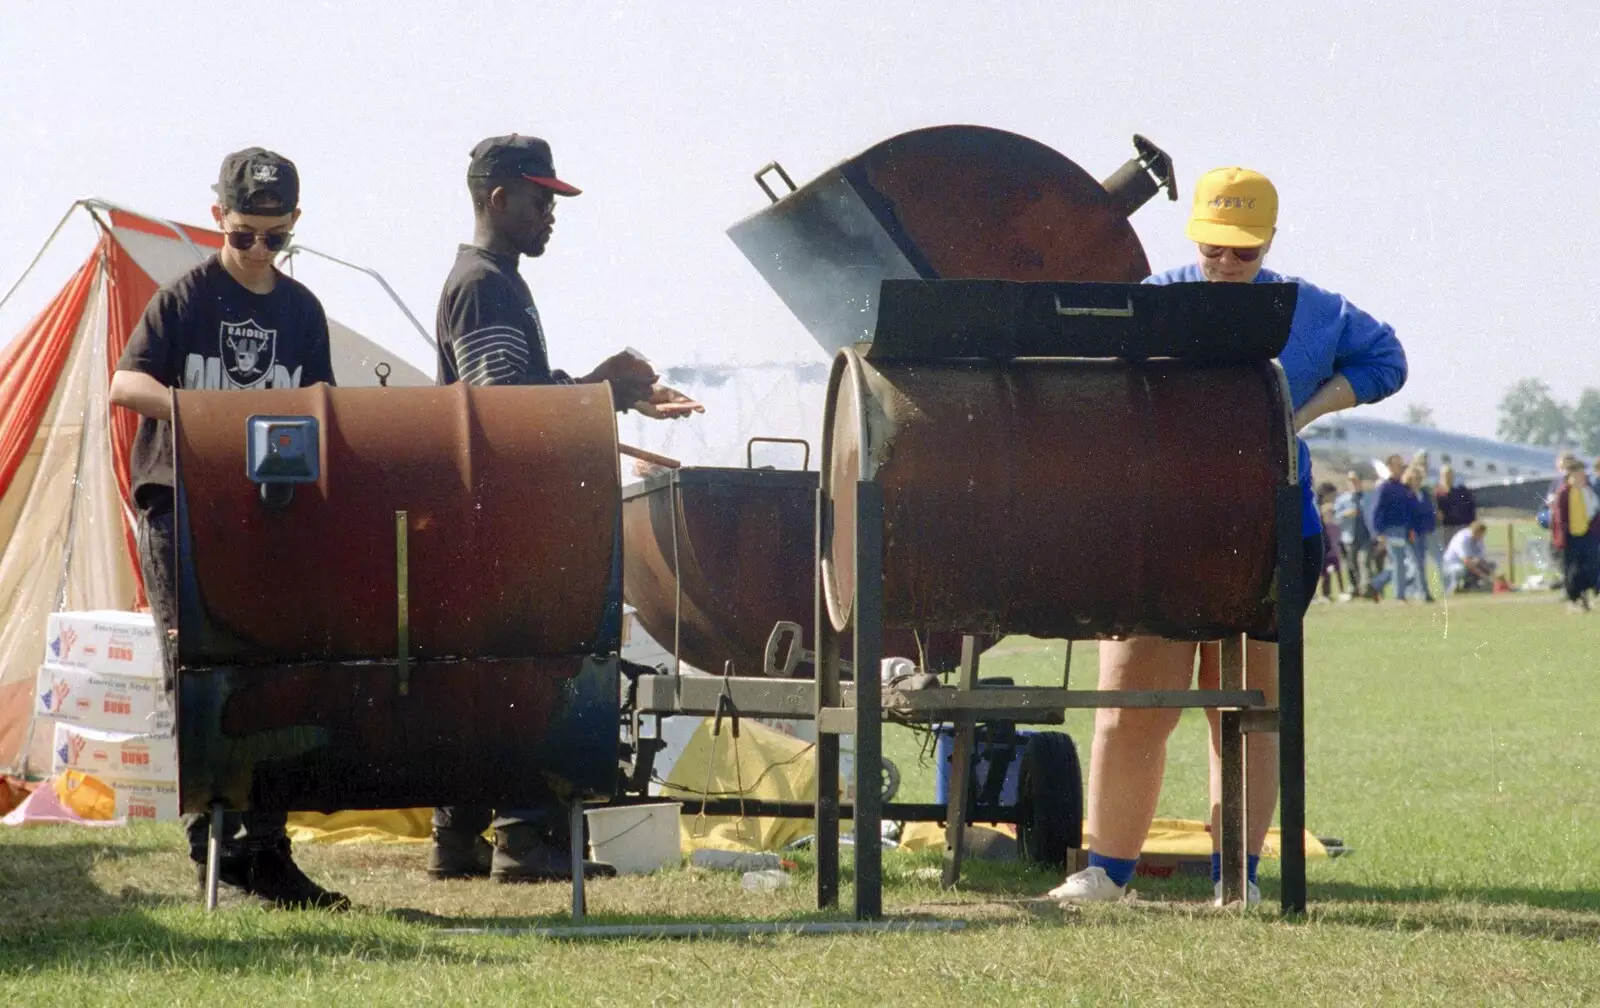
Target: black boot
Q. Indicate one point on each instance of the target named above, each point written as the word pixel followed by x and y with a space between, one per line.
pixel 459 854
pixel 276 880
pixel 528 854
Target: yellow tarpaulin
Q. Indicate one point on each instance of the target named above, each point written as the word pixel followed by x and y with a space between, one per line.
pixel 764 764
pixel 771 766
pixel 1169 837
pixel 377 826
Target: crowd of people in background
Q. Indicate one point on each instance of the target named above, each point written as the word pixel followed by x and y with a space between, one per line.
pixel 1394 532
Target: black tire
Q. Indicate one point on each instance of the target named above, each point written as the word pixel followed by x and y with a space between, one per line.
pixel 891 780
pixel 1049 799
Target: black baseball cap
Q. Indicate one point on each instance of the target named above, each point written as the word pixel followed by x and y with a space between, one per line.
pixel 258 181
pixel 506 157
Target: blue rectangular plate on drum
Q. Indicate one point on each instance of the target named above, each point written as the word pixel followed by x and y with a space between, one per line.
pixel 283 449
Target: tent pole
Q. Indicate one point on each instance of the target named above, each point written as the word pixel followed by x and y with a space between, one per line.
pixel 374 274
pixel 100 204
pixel 40 255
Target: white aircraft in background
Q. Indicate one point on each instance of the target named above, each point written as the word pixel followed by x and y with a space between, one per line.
pixel 1503 474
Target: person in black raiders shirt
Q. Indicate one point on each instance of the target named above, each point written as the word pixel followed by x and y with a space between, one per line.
pixel 489 334
pixel 232 322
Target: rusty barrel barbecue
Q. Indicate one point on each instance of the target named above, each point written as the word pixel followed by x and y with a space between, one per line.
pixel 433 620
pixel 745 542
pixel 1127 486
pixel 943 202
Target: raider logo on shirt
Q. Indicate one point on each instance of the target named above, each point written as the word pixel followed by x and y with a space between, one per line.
pixel 248 352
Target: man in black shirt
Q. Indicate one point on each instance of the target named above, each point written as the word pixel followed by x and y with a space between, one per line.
pixel 232 322
pixel 490 334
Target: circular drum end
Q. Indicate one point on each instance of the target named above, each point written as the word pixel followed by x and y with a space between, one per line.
pixel 841 468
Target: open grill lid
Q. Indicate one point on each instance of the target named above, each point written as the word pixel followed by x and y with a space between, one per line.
pixel 945 202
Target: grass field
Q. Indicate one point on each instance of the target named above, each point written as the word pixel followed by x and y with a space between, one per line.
pixel 1454 748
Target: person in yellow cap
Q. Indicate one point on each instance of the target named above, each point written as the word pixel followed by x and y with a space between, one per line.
pixel 1337 356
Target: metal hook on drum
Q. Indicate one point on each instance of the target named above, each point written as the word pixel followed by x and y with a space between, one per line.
pixel 774 166
pixel 383 371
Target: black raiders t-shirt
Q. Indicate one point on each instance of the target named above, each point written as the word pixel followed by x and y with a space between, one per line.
pixel 488 326
pixel 205 330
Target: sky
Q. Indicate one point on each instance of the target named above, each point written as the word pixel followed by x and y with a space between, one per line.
pixel 1432 159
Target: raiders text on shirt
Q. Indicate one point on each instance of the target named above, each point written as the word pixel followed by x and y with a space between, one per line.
pixel 246 357
pixel 488 326
pixel 206 331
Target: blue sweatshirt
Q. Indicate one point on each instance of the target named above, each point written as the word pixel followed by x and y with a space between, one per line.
pixel 1394 508
pixel 1424 518
pixel 1327 335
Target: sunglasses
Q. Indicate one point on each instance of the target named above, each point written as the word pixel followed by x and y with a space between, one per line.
pixel 244 240
pixel 1241 254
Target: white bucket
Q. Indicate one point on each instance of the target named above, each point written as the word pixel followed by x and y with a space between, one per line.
pixel 635 839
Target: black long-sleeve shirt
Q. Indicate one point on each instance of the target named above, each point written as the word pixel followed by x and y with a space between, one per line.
pixel 488 326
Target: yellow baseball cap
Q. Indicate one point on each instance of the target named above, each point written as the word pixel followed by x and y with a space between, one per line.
pixel 1235 207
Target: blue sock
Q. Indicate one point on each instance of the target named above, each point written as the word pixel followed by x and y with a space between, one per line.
pixel 1251 863
pixel 1118 870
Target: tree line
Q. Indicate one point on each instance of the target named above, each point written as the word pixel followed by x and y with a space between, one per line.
pixel 1530 414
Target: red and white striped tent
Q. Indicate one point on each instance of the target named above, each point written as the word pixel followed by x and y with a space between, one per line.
pixel 66 526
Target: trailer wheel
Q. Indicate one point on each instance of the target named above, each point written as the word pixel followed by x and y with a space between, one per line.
pixel 1049 799
pixel 891 780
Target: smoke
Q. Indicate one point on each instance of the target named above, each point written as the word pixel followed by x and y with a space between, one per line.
pixel 826 256
pixel 759 400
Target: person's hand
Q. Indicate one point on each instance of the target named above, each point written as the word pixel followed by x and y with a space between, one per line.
pixel 665 403
pixel 625 366
pixel 630 375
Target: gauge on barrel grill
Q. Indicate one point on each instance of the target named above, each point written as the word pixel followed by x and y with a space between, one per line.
pixel 281 451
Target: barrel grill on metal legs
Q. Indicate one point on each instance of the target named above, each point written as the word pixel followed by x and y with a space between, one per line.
pixel 715 557
pixel 1003 458
pixel 390 598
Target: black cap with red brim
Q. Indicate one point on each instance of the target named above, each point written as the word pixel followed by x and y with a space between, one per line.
pixel 513 156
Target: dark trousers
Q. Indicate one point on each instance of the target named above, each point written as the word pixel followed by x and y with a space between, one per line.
pixel 1329 575
pixel 542 812
pixel 1580 564
pixel 1419 550
pixel 1354 555
pixel 242 832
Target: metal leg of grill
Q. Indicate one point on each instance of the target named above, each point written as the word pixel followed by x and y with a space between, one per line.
pixel 575 829
pixel 1234 784
pixel 955 822
pixel 1291 703
pixel 869 701
pixel 213 853
pixel 827 750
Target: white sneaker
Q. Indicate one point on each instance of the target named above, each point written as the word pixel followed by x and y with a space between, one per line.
pixel 1092 885
pixel 1252 895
